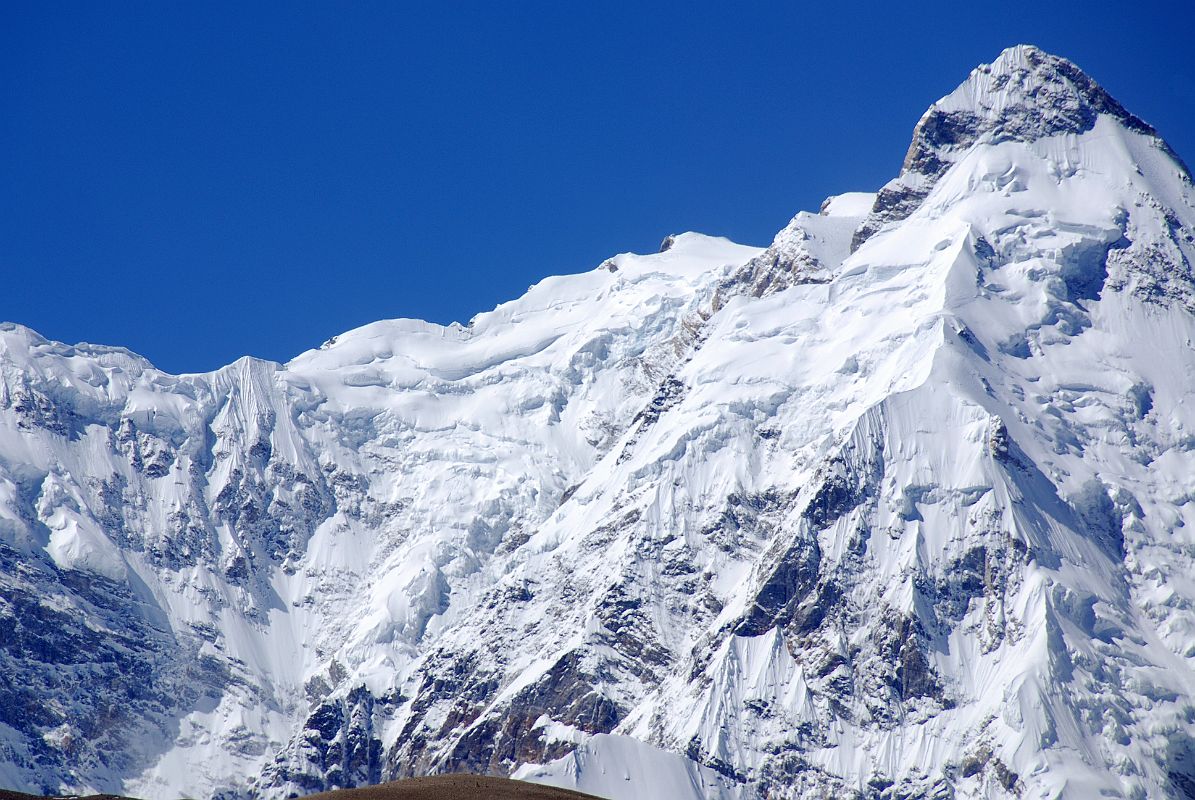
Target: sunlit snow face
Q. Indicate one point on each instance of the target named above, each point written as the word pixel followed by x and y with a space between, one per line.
pixel 902 509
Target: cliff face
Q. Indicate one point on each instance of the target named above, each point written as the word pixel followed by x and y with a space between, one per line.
pixel 897 507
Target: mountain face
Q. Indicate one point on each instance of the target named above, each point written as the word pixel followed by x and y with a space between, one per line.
pixel 901 506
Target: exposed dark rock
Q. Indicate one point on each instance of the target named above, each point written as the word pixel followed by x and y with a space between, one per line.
pixel 337 748
pixel 789 582
pixel 566 693
pixel 60 629
pixel 667 395
pixel 846 483
pixel 998 441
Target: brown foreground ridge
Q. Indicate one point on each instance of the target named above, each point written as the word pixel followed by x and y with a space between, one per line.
pixel 455 787
pixel 437 787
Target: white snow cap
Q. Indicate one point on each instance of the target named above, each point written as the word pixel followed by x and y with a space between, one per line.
pixel 848 204
pixel 1025 94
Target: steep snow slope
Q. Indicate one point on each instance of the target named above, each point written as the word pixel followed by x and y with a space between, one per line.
pixel 896 507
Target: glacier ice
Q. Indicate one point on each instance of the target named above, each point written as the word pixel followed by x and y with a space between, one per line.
pixel 898 506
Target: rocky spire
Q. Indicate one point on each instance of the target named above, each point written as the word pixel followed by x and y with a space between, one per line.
pixel 1024 95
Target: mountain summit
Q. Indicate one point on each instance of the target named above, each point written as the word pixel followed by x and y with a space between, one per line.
pixel 897 507
pixel 1024 95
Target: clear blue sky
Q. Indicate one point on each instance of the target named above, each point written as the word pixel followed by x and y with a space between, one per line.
pixel 198 181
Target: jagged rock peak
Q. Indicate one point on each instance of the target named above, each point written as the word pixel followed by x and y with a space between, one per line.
pixel 1025 94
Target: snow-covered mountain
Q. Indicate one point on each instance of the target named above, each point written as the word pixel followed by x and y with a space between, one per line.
pixel 901 506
